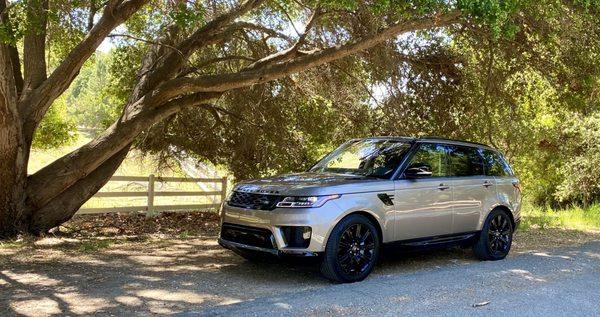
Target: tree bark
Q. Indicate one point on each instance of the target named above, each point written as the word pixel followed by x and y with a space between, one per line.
pixel 13 166
pixel 62 207
pixel 14 151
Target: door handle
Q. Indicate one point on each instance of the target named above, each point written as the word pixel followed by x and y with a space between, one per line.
pixel 487 184
pixel 443 186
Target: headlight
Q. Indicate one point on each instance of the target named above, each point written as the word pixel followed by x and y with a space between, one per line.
pixel 306 201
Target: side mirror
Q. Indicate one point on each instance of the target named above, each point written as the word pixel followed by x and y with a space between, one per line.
pixel 422 171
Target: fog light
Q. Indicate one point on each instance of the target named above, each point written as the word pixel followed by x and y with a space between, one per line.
pixel 306 233
pixel 296 236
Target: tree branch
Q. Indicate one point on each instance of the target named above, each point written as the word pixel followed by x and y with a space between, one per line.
pixel 224 82
pixel 62 207
pixel 263 29
pixel 170 64
pixel 11 49
pixel 91 15
pixel 61 174
pixel 34 45
pixel 293 50
pixel 37 103
pixel 145 41
pixel 215 60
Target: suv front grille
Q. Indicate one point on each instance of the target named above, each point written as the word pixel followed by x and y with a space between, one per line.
pixel 254 201
pixel 256 237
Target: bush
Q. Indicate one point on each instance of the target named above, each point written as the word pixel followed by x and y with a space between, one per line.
pixel 580 173
pixel 56 129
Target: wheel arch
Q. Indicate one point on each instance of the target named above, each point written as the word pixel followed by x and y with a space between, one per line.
pixel 507 210
pixel 370 216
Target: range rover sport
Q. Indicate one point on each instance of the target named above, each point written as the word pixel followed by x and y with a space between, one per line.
pixel 375 191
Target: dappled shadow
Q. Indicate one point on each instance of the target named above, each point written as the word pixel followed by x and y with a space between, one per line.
pixel 163 275
pixel 126 278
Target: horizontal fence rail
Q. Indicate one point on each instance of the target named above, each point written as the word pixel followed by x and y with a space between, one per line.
pixel 150 208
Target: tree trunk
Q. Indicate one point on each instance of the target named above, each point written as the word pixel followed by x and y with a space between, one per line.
pixel 64 206
pixel 13 173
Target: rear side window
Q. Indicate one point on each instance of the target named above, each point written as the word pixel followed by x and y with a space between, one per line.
pixel 432 158
pixel 495 164
pixel 465 161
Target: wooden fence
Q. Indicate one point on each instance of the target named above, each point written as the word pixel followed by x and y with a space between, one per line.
pixel 150 208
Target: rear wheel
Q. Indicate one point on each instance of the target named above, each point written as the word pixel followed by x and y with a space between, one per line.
pixel 352 250
pixel 495 238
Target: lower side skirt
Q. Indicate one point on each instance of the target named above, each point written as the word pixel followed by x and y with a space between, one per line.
pixel 464 238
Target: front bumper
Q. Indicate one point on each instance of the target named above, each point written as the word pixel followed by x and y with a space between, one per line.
pixel 320 220
pixel 240 246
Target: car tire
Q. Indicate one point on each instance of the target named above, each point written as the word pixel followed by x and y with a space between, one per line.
pixel 352 250
pixel 495 238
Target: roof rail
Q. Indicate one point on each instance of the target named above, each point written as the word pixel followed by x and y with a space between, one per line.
pixel 455 140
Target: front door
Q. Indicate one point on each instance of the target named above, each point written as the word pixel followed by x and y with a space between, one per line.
pixel 424 205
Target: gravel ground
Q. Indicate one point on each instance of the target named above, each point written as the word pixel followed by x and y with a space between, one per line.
pixel 552 272
pixel 560 283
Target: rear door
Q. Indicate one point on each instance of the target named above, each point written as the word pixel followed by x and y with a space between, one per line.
pixel 507 185
pixel 424 205
pixel 473 190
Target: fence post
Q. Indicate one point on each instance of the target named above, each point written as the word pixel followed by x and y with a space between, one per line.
pixel 223 189
pixel 150 209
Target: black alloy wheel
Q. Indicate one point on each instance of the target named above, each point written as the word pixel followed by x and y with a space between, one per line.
pixel 352 250
pixel 499 234
pixel 356 249
pixel 496 235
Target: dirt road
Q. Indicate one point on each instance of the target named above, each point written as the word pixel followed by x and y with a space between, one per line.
pixel 194 276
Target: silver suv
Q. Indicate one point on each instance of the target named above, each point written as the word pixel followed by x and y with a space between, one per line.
pixel 373 192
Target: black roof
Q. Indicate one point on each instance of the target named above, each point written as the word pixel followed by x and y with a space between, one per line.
pixel 430 138
pixel 453 140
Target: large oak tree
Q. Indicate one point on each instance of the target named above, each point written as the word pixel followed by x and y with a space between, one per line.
pixel 174 75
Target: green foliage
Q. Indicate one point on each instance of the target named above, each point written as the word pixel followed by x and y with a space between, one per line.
pixel 572 217
pixel 123 76
pixel 88 100
pixel 274 128
pixel 580 173
pixel 496 14
pixel 56 129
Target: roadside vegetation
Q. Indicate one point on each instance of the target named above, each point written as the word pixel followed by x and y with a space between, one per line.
pixel 574 217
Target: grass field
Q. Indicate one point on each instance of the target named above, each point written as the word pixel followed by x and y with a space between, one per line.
pixel 575 217
pixel 136 164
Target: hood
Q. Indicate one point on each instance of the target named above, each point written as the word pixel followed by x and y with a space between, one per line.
pixel 314 184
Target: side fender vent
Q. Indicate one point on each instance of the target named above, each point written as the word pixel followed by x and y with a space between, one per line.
pixel 387 199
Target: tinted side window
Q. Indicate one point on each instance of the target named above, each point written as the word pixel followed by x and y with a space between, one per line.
pixel 432 158
pixel 465 161
pixel 495 165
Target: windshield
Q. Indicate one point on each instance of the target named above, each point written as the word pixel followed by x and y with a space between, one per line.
pixel 365 157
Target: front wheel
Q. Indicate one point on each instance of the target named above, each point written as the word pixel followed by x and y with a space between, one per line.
pixel 495 239
pixel 352 250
